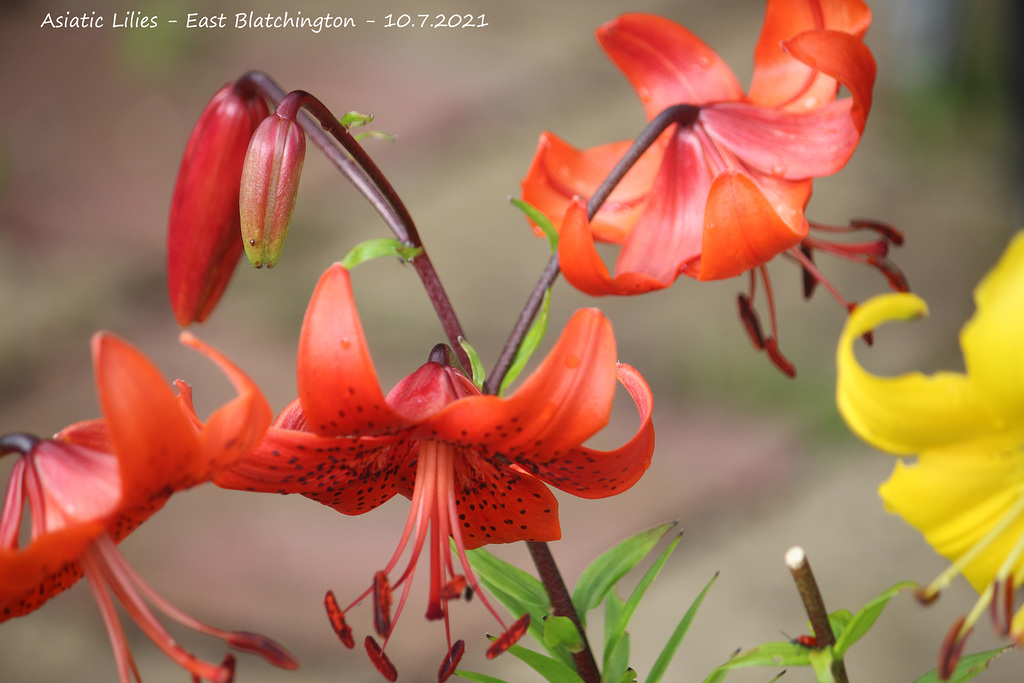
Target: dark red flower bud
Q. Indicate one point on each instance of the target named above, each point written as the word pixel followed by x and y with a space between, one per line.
pixel 270 181
pixel 203 242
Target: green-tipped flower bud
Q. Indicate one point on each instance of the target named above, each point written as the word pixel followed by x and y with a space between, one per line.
pixel 270 181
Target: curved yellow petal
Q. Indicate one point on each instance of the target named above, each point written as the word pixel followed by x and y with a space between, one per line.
pixel 955 497
pixel 908 413
pixel 993 340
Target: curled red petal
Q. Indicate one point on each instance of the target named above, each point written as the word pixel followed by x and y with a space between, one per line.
pixel 590 473
pixel 153 438
pixel 666 63
pixel 584 268
pixel 843 57
pixel 345 473
pixel 337 383
pixel 779 79
pixel 562 403
pixel 743 229
pixel 500 504
pixel 560 172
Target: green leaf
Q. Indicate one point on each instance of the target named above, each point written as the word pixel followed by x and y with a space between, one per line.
pixel 968 667
pixel 375 248
pixel 479 678
pixel 628 676
pixel 769 654
pixel 616 657
pixel 604 572
pixel 354 119
pixel 530 342
pixel 551 669
pixel 476 367
pixel 540 220
pixel 561 632
pixel 669 651
pixel 629 609
pixel 854 629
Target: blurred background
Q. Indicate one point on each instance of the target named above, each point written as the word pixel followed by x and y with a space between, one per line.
pixel 91 132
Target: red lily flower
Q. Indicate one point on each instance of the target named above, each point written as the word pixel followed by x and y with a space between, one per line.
pixel 474 466
pixel 204 239
pixel 96 481
pixel 723 192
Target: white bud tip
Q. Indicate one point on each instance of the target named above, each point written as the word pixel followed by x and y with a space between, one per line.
pixel 795 557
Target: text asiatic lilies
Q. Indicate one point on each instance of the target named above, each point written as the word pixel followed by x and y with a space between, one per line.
pixel 474 466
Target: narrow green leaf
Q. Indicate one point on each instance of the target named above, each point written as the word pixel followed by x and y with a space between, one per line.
pixel 629 609
pixel 551 669
pixel 475 366
pixel 539 219
pixel 478 678
pixel 375 248
pixel 968 667
pixel 530 342
pixel 616 656
pixel 669 651
pixel 628 676
pixel 561 632
pixel 604 572
pixel 860 623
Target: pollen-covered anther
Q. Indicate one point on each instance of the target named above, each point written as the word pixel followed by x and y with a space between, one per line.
pixel 897 280
pixel 884 229
pixel 454 588
pixel 926 595
pixel 509 637
pixel 451 661
pixel 380 660
pixel 381 604
pixel 952 648
pixel 1001 607
pixel 337 618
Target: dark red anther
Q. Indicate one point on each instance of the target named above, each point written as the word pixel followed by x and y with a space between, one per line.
pixel 451 661
pixel 809 280
pixel 897 280
pixel 771 347
pixel 750 321
pixel 509 637
pixel 884 229
pixel 380 660
pixel 469 593
pixel 952 648
pixel 453 589
pixel 381 604
pixel 337 617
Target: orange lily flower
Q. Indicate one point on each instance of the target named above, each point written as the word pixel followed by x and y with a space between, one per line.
pixel 724 191
pixel 474 466
pixel 96 481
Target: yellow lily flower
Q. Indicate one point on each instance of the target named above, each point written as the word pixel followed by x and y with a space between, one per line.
pixel 965 491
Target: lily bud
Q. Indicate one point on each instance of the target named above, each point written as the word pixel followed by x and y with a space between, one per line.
pixel 270 181
pixel 203 246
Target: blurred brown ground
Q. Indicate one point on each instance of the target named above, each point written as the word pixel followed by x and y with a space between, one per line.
pixel 91 131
